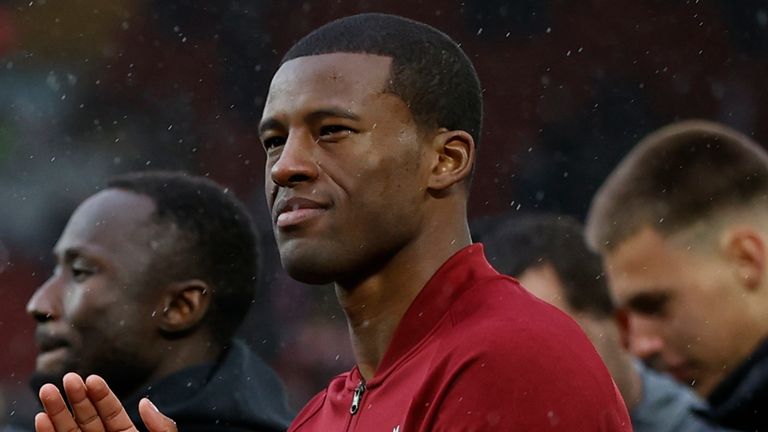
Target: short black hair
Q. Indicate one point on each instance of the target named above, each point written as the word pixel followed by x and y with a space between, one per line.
pixel 429 71
pixel 217 241
pixel 517 243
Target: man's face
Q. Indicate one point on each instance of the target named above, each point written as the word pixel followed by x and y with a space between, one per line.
pixel 90 313
pixel 682 306
pixel 345 182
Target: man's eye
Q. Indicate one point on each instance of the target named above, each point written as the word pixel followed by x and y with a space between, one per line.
pixel 334 132
pixel 273 141
pixel 81 273
pixel 651 305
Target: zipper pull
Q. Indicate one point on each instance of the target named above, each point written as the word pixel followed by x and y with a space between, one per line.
pixel 356 398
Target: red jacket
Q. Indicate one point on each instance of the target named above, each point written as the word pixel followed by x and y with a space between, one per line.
pixel 475 352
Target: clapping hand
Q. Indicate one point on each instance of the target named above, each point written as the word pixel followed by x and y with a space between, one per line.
pixel 94 409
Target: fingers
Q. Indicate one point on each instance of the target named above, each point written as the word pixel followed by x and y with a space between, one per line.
pixel 154 420
pixel 56 417
pixel 43 423
pixel 108 407
pixel 82 408
pixel 95 408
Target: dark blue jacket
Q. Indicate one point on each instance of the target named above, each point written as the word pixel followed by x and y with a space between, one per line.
pixel 239 393
pixel 741 401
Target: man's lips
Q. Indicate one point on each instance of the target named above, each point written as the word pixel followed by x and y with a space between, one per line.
pixel 293 211
pixel 47 342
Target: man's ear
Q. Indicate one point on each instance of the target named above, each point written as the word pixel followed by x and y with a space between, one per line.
pixel 744 247
pixel 455 155
pixel 184 305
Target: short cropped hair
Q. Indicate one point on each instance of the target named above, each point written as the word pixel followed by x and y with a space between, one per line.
pixel 515 244
pixel 681 174
pixel 429 71
pixel 216 242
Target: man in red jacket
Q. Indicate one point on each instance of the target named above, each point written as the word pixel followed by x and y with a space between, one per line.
pixel 370 129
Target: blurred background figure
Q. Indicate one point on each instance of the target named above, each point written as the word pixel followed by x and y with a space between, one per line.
pixel 682 225
pixel 548 255
pixel 153 276
pixel 90 89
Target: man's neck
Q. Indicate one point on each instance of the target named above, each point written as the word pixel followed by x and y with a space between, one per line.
pixel 375 305
pixel 182 354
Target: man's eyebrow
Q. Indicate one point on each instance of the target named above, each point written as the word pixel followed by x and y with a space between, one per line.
pixel 332 112
pixel 273 123
pixel 61 256
pixel 270 123
pixel 70 254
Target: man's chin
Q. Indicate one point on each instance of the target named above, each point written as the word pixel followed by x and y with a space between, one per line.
pixel 309 269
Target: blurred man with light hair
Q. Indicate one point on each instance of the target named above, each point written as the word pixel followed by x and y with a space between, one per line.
pixel 682 226
pixel 549 255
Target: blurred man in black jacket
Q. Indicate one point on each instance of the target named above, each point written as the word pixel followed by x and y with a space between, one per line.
pixel 153 276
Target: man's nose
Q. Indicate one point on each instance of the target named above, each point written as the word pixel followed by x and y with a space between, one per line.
pixel 645 339
pixel 45 303
pixel 296 162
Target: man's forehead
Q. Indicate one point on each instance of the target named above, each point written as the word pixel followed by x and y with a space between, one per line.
pixel 109 217
pixel 332 71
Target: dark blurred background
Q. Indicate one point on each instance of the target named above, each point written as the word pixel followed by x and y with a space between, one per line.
pixel 91 88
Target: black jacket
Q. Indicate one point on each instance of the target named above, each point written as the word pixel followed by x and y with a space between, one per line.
pixel 238 393
pixel 741 401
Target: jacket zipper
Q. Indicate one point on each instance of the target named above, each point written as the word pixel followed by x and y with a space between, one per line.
pixel 355 407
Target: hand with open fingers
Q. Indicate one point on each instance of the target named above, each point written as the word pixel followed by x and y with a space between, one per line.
pixel 94 409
